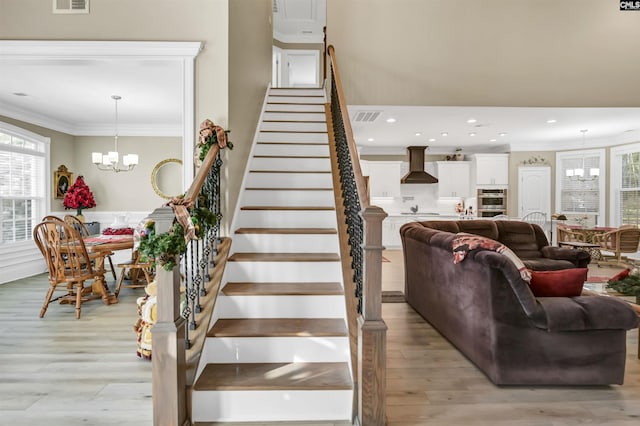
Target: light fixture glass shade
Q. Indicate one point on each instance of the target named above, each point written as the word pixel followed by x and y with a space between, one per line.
pixel 110 161
pixel 569 172
pixel 594 171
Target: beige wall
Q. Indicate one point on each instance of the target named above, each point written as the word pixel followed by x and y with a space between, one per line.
pixel 130 191
pixel 250 36
pixel 141 20
pixel 490 52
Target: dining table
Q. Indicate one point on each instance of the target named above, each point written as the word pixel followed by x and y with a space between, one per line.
pixel 101 246
pixel 589 233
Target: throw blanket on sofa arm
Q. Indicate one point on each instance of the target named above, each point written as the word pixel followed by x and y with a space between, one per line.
pixel 463 243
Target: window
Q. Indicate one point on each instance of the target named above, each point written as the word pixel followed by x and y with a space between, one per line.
pixel 625 185
pixel 580 184
pixel 24 171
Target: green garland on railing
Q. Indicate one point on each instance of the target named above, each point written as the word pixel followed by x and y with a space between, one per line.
pixel 164 248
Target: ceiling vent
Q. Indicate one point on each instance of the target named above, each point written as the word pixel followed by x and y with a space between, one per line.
pixel 70 6
pixel 367 116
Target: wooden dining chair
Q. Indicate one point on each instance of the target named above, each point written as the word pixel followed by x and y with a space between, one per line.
pixel 566 234
pixel 625 239
pixel 67 260
pixel 78 225
pixel 133 268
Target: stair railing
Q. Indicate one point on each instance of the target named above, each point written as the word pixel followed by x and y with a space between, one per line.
pixel 175 319
pixel 360 230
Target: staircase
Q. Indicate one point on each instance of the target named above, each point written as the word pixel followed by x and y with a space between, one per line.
pixel 277 348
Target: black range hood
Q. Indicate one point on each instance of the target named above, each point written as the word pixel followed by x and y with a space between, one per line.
pixel 416 167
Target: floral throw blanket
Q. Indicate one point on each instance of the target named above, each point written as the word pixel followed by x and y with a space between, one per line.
pixel 463 243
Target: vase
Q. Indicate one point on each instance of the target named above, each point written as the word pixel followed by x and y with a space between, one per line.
pixel 79 215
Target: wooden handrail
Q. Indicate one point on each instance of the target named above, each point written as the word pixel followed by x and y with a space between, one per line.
pixel 202 173
pixel 361 184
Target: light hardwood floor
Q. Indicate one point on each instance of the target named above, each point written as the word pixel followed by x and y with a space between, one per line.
pixel 62 371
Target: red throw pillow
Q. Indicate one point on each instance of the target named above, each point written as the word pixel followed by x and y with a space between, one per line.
pixel 562 283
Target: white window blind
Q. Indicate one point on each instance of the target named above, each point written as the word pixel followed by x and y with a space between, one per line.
pixel 629 196
pixel 580 194
pixel 22 186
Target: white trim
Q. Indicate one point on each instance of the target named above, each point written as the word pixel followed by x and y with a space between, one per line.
pixel 185 52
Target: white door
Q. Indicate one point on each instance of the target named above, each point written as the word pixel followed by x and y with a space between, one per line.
pixel 534 190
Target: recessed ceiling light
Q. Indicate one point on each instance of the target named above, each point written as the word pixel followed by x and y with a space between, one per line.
pixel 502 134
pixel 492 140
pixel 472 134
pixel 444 134
pixel 391 120
pixel 20 94
pixel 471 120
pixel 418 134
pixel 551 121
pixel 432 140
pixel 371 139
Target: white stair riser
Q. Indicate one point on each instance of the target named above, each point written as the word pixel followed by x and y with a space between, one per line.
pixel 294 116
pixel 286 219
pixel 285 243
pixel 296 100
pixel 291 164
pixel 271 406
pixel 297 127
pixel 295 108
pixel 289 180
pixel 291 149
pixel 296 92
pixel 276 349
pixel 279 307
pixel 288 198
pixel 282 271
pixel 293 137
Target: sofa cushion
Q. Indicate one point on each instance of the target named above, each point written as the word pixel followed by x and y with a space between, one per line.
pixel 561 283
pixel 544 264
pixel 463 243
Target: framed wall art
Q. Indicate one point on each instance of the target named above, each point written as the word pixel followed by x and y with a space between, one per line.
pixel 62 180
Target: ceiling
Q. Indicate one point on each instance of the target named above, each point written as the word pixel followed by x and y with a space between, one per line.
pixel 73 96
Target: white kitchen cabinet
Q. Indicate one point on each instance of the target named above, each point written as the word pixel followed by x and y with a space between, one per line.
pixel 391 233
pixel 490 170
pixel 454 178
pixel 384 178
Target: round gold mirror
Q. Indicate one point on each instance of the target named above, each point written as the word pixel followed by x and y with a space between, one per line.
pixel 166 178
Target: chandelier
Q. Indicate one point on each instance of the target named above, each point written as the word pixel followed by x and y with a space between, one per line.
pixel 111 160
pixel 578 173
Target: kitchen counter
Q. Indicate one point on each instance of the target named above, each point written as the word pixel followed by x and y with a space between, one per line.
pixel 391 225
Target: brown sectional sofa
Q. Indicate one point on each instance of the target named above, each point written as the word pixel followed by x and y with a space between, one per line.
pixel 484 308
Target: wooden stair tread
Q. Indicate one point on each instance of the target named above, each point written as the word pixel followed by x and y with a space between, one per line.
pixel 289 171
pixel 292 143
pixel 293 121
pixel 293 131
pixel 288 189
pixel 275 376
pixel 278 327
pixel 292 156
pixel 293 208
pixel 282 289
pixel 286 231
pixel 284 257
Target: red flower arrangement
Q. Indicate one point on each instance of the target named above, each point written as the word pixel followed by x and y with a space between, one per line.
pixel 79 196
